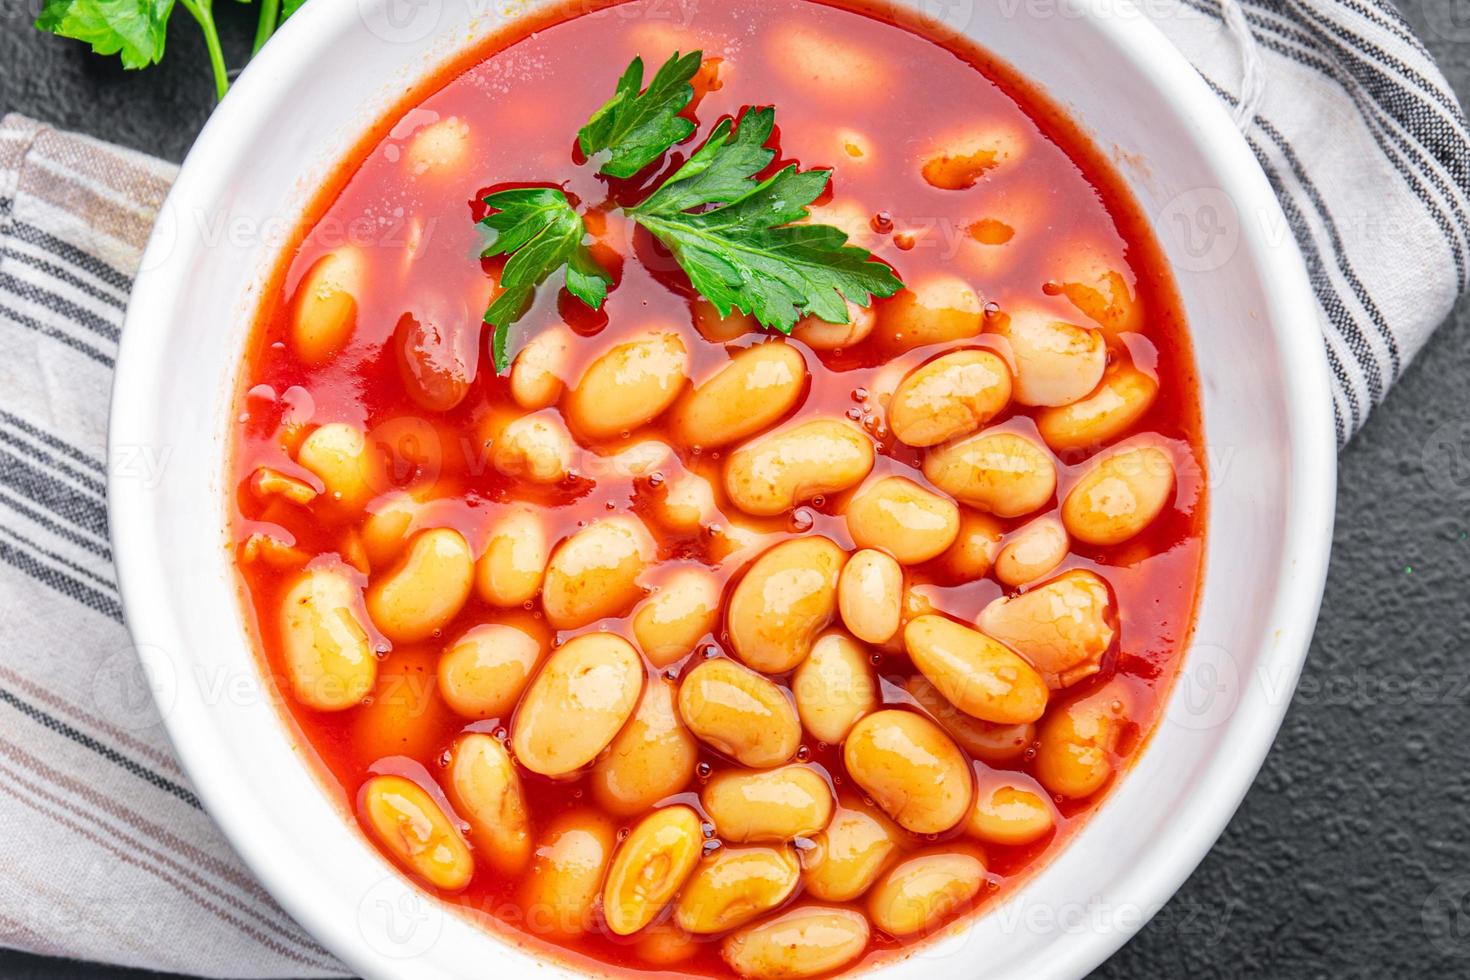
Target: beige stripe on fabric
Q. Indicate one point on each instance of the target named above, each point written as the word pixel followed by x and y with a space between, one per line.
pixel 112 807
pixel 57 908
pixel 131 175
pixel 15 932
pixel 164 761
pixel 165 864
pixel 16 135
pixel 140 859
pixel 78 230
pixel 125 221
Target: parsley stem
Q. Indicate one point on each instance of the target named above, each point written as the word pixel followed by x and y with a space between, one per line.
pixel 201 12
pixel 269 14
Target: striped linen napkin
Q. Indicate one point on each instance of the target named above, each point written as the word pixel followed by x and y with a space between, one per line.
pixel 108 855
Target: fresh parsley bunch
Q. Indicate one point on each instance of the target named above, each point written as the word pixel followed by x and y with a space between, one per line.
pixel 734 237
pixel 738 238
pixel 135 30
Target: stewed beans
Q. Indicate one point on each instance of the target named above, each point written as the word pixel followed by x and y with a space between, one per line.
pixel 775 473
pixel 486 788
pixel 684 645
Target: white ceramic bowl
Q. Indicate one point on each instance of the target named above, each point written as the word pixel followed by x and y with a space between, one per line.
pixel 292 116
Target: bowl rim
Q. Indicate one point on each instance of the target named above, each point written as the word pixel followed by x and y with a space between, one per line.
pixel 1308 520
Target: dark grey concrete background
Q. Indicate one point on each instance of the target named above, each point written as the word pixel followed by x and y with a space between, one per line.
pixel 1351 855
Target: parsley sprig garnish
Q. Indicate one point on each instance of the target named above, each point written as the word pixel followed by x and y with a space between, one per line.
pixel 135 30
pixel 636 129
pixel 743 240
pixel 538 228
pixel 746 253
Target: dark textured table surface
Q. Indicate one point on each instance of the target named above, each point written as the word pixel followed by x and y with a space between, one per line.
pixel 1351 855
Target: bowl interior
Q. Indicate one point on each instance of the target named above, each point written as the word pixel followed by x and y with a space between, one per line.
pixel 302 105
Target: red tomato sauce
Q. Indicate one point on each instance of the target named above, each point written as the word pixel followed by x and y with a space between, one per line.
pixel 523 97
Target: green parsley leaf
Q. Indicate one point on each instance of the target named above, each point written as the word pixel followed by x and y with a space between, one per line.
pixel 135 30
pixel 720 170
pixel 635 129
pixel 132 29
pixel 746 253
pixel 289 7
pixel 539 230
